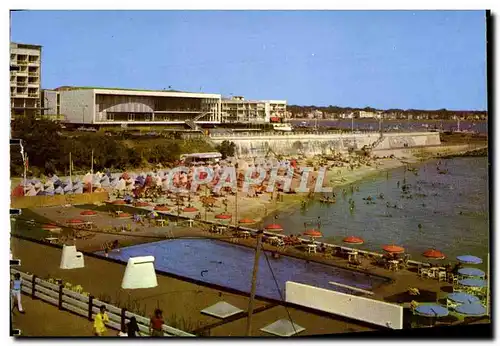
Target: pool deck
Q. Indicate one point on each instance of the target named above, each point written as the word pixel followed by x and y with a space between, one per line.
pixel 176 297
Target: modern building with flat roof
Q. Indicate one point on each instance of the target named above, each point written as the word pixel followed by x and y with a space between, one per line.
pixel 239 110
pixel 109 106
pixel 25 74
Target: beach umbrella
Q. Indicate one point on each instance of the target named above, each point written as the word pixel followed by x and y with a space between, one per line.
pixel 313 233
pixel 469 259
pixel 51 227
pixel 18 191
pixel 75 221
pixel 463 298
pixel 162 208
pixel 274 227
pixel 88 213
pixel 246 221
pixel 223 216
pixel 141 204
pixel 473 283
pixel 123 216
pixel 189 209
pixel 434 254
pixel 119 202
pixel 432 310
pixel 471 272
pixel 393 249
pixel 353 240
pixel 471 309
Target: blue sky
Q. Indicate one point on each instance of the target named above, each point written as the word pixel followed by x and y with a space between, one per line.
pixel 383 59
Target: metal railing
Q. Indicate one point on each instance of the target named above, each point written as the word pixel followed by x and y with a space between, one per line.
pixel 85 306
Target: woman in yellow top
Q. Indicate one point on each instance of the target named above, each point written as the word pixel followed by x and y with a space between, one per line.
pixel 99 321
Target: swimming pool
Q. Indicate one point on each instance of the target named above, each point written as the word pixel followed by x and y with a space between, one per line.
pixel 231 266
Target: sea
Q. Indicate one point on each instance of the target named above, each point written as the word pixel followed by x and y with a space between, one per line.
pixel 448 212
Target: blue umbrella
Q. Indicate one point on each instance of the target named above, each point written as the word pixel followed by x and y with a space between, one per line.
pixel 469 259
pixel 459 297
pixel 474 309
pixel 471 272
pixel 432 310
pixel 473 282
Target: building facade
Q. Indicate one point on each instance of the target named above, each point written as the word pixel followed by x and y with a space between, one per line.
pixel 103 106
pixel 25 74
pixel 239 110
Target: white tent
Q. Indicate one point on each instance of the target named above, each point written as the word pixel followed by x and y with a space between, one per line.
pixel 59 191
pixel 120 186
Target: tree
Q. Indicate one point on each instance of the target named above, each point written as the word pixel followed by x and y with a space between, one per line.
pixel 227 149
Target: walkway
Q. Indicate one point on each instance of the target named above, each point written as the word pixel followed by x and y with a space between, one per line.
pixel 44 319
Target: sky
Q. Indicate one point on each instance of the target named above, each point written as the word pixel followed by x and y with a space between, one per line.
pixel 381 59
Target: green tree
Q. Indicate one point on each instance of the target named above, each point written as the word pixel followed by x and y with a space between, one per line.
pixel 227 149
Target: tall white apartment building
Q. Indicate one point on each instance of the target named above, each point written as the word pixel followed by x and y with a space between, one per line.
pixel 25 62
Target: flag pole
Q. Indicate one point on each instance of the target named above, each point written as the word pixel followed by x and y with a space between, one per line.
pixel 25 161
pixel 70 170
pixel 92 171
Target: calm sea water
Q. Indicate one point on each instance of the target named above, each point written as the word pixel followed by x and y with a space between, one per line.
pixel 452 210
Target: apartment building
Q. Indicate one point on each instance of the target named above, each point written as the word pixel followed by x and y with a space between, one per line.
pixel 25 73
pixel 112 106
pixel 237 109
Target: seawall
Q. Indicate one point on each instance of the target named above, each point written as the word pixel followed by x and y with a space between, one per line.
pixel 310 144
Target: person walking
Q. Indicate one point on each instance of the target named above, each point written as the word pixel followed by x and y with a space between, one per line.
pixel 99 321
pixel 132 328
pixel 156 323
pixel 16 293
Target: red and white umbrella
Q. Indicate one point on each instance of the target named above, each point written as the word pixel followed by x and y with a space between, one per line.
pixel 162 208
pixel 142 204
pixel 313 233
pixel 223 216
pixel 246 221
pixel 189 209
pixel 51 227
pixel 353 240
pixel 434 254
pixel 274 227
pixel 76 222
pixel 119 202
pixel 123 216
pixel 393 249
pixel 88 213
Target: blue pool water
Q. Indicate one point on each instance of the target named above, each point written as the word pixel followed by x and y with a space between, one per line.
pixel 231 266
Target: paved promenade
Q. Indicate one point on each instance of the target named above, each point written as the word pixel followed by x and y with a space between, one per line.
pixel 44 319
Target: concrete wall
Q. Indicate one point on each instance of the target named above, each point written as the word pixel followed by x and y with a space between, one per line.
pixel 358 308
pixel 73 104
pixel 309 144
pixel 56 200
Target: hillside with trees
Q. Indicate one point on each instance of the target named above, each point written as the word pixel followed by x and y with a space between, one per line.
pixel 48 150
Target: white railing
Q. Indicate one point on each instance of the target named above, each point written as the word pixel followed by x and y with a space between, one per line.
pixel 86 306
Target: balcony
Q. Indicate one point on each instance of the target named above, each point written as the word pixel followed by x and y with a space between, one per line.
pixel 34 62
pixel 33 74
pixel 22 62
pixel 24 83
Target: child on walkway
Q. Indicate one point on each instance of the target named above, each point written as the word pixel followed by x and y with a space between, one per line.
pixel 99 321
pixel 16 293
